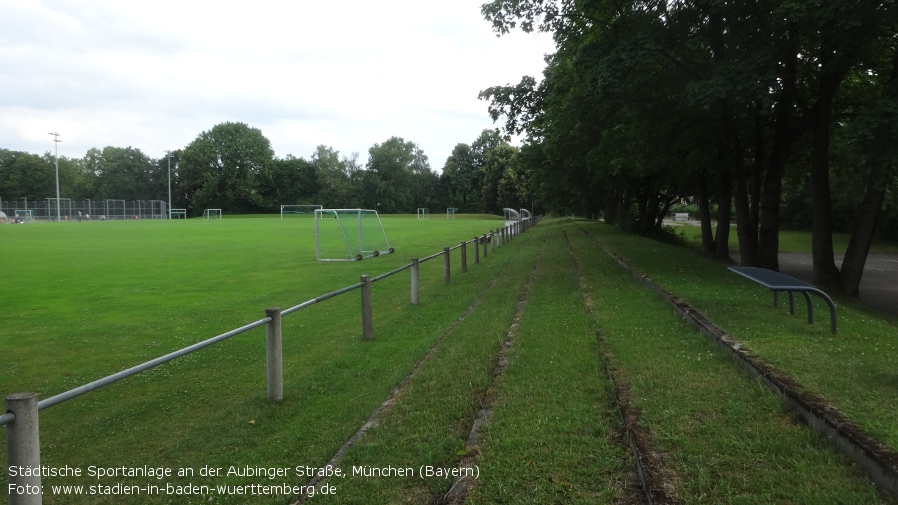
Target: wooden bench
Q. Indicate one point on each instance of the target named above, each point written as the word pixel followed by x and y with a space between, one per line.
pixel 778 282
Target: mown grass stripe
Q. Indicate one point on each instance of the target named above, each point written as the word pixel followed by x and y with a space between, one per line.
pixel 657 488
pixel 553 435
pixel 462 485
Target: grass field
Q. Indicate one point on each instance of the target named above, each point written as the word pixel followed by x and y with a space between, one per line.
pixel 83 300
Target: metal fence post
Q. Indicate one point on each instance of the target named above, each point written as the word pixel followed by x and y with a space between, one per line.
pixel 415 292
pixel 476 250
pixel 446 276
pixel 464 257
pixel 23 448
pixel 367 316
pixel 273 349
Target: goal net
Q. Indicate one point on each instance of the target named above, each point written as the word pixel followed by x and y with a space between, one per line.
pixel 299 210
pixel 212 214
pixel 349 235
pixel 26 216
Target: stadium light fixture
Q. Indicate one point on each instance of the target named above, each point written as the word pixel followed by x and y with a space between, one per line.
pixel 56 141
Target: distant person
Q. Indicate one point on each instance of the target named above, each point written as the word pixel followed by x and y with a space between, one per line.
pixel 80 216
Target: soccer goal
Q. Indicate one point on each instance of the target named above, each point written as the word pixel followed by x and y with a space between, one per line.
pixel 349 235
pixel 177 213
pixel 212 214
pixel 26 216
pixel 299 210
pixel 450 212
pixel 423 213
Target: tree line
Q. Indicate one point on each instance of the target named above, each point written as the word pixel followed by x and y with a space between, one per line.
pixel 766 114
pixel 233 167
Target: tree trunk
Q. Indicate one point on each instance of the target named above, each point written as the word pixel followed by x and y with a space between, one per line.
pixel 704 216
pixel 826 275
pixel 783 137
pixel 871 206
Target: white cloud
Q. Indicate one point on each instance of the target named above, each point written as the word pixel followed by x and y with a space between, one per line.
pixel 347 74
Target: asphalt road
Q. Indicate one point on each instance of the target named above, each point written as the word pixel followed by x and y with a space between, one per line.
pixel 879 285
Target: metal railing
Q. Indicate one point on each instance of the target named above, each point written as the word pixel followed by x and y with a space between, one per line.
pixel 21 417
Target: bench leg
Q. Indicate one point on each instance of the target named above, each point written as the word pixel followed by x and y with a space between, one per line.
pixel 807 297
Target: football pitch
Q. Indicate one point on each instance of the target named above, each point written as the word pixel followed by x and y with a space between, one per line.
pixel 85 300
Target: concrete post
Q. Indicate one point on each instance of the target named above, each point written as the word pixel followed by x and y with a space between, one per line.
pixel 486 246
pixel 464 257
pixel 23 448
pixel 367 316
pixel 275 356
pixel 493 240
pixel 415 288
pixel 476 250
pixel 446 274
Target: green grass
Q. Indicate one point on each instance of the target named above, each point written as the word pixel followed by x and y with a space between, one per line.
pixel 854 369
pixel 725 436
pixel 86 300
pixel 83 300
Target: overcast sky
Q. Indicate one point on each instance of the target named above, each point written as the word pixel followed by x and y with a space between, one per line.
pixel 347 74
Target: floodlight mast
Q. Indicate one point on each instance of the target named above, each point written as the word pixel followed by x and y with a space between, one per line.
pixel 56 142
pixel 169 182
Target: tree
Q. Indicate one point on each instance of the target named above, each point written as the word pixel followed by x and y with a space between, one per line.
pixel 117 173
pixel 394 180
pixel 224 168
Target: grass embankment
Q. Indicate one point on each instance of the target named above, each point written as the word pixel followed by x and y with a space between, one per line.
pixel 726 438
pixel 854 369
pixel 551 437
pixel 89 299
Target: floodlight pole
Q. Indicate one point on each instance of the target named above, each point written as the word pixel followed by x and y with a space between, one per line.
pixel 56 141
pixel 169 183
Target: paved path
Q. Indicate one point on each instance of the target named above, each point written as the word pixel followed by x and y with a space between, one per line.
pixel 879 286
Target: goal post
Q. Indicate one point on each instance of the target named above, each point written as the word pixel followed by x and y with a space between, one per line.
pixel 423 213
pixel 299 210
pixel 450 212
pixel 349 235
pixel 212 214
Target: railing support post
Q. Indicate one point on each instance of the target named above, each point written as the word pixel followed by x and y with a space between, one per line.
pixel 415 288
pixel 493 239
pixel 476 250
pixel 23 448
pixel 273 349
pixel 446 273
pixel 486 246
pixel 367 316
pixel 464 257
